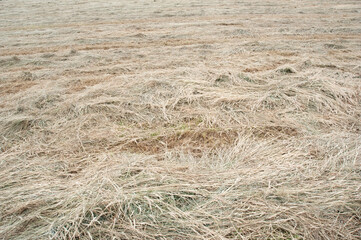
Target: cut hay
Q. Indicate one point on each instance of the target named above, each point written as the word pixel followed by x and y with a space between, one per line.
pixel 212 120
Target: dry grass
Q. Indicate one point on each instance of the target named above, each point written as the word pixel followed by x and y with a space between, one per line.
pixel 193 120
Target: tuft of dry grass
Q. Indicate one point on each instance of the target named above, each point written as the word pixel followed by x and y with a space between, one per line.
pixel 178 125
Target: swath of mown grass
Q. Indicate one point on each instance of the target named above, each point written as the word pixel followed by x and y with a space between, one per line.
pixel 218 194
pixel 190 177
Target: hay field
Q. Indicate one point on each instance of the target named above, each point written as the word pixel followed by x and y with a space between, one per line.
pixel 188 119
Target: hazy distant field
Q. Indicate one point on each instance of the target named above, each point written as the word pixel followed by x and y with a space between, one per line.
pixel 180 119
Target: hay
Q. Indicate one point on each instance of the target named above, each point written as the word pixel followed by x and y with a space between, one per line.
pixel 169 126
